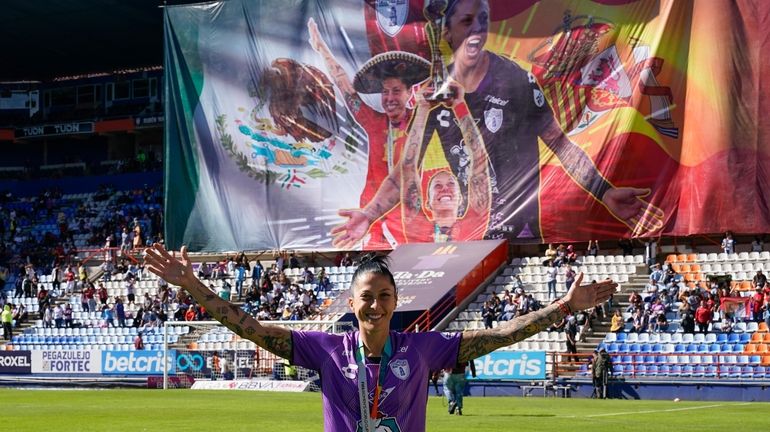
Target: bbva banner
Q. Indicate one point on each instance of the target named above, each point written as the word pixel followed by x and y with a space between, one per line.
pixel 371 123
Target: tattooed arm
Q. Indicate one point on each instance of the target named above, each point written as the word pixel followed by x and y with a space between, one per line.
pixel 411 193
pixel 480 342
pixel 341 79
pixel 179 272
pixel 479 190
pixel 627 204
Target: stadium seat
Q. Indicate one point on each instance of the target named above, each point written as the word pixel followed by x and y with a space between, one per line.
pixel 626 359
pixel 664 370
pixel 734 372
pixel 687 371
pixel 613 348
pixel 733 338
pixel 675 371
pixel 760 372
pixel 747 372
pixel 622 337
pixel 745 338
pixel 710 372
pixel 698 371
pixel 680 348
pixel 755 359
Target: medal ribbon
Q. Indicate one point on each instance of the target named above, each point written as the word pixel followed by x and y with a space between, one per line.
pixel 368 415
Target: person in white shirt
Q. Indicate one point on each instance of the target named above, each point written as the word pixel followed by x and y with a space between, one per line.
pixel 551 273
pixel 728 243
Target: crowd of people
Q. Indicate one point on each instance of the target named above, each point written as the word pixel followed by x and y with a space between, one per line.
pixel 696 305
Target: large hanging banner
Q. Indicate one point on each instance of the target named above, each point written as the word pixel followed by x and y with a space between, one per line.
pixel 314 125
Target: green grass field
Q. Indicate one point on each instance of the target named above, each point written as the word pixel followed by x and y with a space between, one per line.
pixel 192 410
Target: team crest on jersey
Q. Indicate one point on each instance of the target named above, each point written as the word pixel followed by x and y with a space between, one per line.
pixel 447 335
pixel 385 424
pixel 493 119
pixel 537 95
pixel 400 369
pixel 350 371
pixel 391 15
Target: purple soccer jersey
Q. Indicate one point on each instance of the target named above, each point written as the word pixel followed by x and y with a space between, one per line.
pixel 404 390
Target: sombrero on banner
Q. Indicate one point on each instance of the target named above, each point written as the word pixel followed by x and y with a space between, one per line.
pixel 411 68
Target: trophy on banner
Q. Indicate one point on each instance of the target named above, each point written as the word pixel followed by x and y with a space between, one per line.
pixel 434 11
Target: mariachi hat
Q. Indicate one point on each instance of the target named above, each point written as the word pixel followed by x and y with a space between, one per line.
pixel 409 67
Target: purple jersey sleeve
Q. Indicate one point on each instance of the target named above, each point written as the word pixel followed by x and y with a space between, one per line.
pixel 312 348
pixel 438 350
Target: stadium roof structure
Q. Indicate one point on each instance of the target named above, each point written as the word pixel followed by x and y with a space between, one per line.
pixel 44 39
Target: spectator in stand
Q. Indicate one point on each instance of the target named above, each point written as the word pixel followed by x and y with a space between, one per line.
pixel 293 261
pixel 256 273
pixel 48 317
pixel 20 314
pixel 617 324
pixel 82 276
pixel 102 294
pixel 570 331
pixel 661 323
pixel 120 311
pixel 347 260
pixel 634 301
pixel 108 316
pixel 728 243
pixel 509 309
pixel 551 274
pixel 550 255
pixel 488 315
pixel 136 241
pixel 138 342
pixel 307 276
pixel 125 242
pixel 240 278
pixel 56 276
pixel 593 248
pixel 757 245
pixel 204 271
pixel 570 256
pixel 191 314
pixel 759 280
pixel 757 305
pixel 68 316
pixel 703 317
pixel 128 282
pixel 569 277
pixel 69 281
pixel 7 318
pixel 58 316
pixel 641 320
pixel 43 300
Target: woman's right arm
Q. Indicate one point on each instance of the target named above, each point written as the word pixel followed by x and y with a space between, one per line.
pixel 179 271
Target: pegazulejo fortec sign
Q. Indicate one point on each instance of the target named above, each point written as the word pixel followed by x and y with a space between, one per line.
pixel 75 362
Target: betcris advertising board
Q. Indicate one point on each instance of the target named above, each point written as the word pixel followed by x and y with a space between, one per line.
pixel 137 362
pixel 511 365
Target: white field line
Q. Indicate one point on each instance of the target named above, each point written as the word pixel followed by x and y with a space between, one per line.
pixel 656 411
